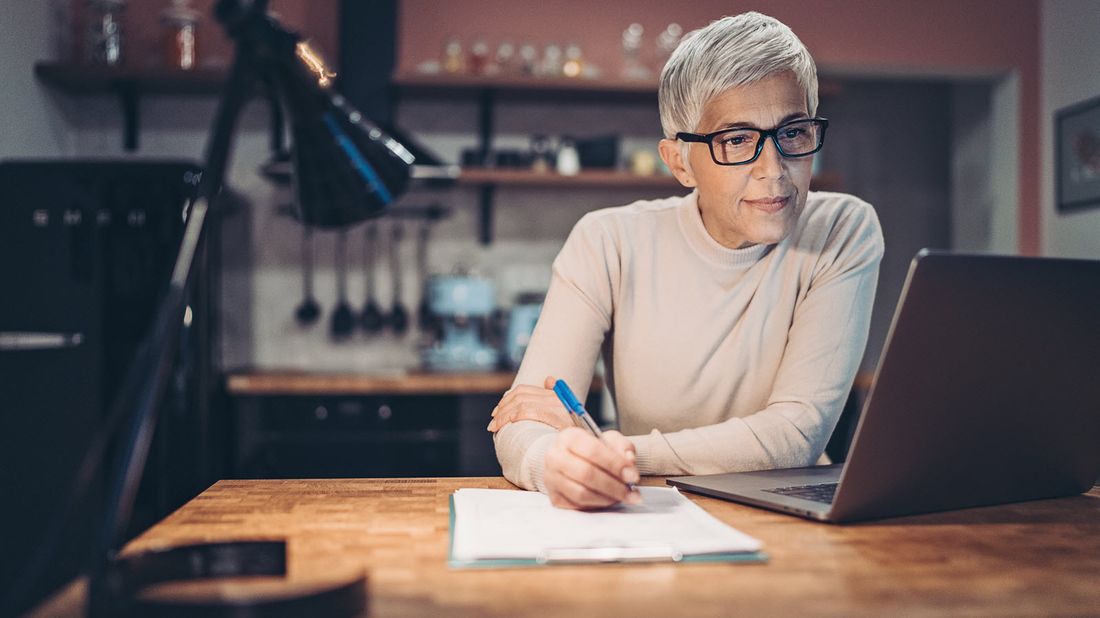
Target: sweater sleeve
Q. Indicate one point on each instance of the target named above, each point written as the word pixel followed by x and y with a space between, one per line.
pixel 575 319
pixel 824 347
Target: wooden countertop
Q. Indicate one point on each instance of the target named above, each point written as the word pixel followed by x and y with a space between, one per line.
pixel 1038 557
pixel 298 383
pixel 302 383
pixel 260 383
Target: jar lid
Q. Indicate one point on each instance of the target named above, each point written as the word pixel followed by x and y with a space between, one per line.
pixel 180 16
pixel 180 12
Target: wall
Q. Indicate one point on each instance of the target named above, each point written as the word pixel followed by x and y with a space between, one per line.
pixel 900 168
pixel 261 284
pixel 1071 64
pixel 978 38
pixel 30 125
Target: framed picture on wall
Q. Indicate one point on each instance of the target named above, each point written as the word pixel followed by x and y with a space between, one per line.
pixel 1077 156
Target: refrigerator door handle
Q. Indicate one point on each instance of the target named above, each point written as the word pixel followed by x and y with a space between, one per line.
pixel 15 341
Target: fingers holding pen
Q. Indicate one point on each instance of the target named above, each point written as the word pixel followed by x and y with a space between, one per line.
pixel 620 444
pixel 588 472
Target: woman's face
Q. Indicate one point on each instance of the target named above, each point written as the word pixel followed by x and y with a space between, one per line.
pixel 758 202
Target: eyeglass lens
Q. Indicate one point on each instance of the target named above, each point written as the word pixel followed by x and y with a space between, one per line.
pixel 739 145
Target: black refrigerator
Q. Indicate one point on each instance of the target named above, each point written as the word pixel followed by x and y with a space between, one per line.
pixel 86 249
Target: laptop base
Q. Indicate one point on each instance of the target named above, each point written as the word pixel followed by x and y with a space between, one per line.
pixel 752 488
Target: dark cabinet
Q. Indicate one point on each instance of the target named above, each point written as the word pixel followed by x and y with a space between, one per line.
pixel 348 436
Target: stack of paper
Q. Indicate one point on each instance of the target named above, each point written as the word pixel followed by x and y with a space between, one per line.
pixel 497 527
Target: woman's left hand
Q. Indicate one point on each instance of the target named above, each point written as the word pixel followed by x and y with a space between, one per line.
pixel 525 402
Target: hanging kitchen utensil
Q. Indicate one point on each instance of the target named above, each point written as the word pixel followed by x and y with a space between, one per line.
pixel 342 319
pixel 372 319
pixel 308 310
pixel 424 318
pixel 399 316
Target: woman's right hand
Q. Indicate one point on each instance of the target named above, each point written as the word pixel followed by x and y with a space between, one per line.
pixel 582 471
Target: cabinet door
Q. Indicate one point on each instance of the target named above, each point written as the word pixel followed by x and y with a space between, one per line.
pixel 346 437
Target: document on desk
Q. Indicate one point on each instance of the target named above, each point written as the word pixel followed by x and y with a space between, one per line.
pixel 500 527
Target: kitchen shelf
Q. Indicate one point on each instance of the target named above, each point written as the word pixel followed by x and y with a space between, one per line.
pixel 91 79
pixel 587 178
pixel 425 84
pixel 489 90
pixel 596 178
pixel 129 84
pixel 521 86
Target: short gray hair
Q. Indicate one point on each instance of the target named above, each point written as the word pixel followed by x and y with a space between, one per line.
pixel 732 51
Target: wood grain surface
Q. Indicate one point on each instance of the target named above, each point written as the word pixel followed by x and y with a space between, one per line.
pixel 269 383
pixel 1038 557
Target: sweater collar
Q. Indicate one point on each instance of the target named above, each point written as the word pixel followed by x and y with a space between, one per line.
pixel 691 224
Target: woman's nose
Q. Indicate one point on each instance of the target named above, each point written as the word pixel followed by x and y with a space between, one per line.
pixel 770 163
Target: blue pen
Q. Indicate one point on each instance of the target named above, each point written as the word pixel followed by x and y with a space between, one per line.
pixel 571 403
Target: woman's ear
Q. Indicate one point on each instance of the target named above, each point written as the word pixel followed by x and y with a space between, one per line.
pixel 673 157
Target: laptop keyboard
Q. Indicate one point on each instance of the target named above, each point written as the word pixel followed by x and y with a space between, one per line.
pixel 818 493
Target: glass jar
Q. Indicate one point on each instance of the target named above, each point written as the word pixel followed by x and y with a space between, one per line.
pixel 453 62
pixel 180 23
pixel 103 37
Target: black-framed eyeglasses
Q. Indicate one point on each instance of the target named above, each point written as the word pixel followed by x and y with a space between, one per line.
pixel 797 138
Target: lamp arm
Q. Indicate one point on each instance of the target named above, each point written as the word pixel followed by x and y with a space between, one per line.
pixel 136 405
pixel 149 372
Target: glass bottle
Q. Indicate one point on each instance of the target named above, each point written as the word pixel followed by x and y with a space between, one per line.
pixel 103 37
pixel 453 62
pixel 505 58
pixel 479 57
pixel 542 154
pixel 180 39
pixel 529 58
pixel 633 68
pixel 569 161
pixel 574 61
pixel 551 61
pixel 667 42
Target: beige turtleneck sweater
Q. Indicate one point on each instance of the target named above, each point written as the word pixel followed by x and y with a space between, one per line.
pixel 718 359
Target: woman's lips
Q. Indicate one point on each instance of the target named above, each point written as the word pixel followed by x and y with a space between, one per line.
pixel 769 204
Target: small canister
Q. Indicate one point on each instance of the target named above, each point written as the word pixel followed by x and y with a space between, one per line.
pixel 180 23
pixel 103 36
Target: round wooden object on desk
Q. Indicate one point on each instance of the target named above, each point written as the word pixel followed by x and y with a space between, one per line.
pixel 317 594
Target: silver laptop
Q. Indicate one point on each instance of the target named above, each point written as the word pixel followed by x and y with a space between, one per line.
pixel 987 391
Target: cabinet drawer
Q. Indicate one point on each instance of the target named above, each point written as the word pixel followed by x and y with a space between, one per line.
pixel 397 413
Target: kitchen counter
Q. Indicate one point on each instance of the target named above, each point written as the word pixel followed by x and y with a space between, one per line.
pixel 265 383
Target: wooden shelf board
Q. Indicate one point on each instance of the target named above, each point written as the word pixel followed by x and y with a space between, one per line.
pixel 445 83
pixel 826 181
pixel 587 178
pixel 90 79
pixel 440 83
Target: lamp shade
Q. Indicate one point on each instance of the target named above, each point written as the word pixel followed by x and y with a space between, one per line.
pixel 345 168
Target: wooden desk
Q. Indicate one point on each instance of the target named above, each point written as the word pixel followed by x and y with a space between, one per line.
pixel 1031 558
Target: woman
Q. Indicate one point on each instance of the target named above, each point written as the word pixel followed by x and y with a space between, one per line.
pixel 731 321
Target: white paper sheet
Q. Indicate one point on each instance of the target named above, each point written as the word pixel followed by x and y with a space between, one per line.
pixel 496 524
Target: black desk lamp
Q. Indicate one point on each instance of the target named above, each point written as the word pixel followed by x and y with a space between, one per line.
pixel 346 169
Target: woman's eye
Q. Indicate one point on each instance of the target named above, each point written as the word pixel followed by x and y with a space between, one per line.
pixel 734 140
